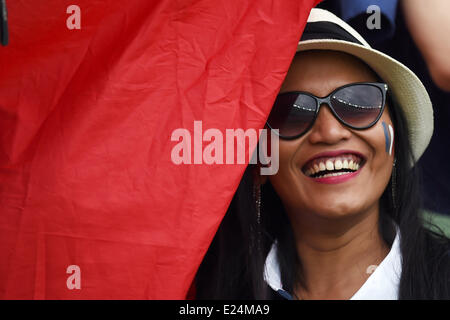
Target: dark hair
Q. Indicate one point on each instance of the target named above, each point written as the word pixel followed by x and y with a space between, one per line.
pixel 234 264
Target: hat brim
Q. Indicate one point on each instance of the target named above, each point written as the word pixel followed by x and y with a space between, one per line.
pixel 407 89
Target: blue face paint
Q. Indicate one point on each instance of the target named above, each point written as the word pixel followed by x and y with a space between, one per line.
pixel 386 136
pixel 391 131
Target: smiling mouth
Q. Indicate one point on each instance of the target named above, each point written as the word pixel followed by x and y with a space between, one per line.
pixel 325 167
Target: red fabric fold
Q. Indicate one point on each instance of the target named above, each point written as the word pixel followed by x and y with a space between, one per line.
pixel 86 117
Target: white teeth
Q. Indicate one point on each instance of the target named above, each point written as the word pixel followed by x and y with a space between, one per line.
pixel 338 164
pixel 345 164
pixel 332 174
pixel 329 165
pixel 322 166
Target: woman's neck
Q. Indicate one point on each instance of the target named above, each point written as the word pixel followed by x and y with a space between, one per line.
pixel 339 254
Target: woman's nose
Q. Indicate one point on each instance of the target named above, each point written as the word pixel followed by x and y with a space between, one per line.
pixel 327 129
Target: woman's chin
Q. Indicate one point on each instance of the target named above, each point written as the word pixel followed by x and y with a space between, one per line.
pixel 337 210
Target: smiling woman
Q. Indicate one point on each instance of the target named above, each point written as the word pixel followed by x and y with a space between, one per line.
pixel 341 218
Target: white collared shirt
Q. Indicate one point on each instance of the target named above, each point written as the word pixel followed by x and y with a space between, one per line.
pixel 382 284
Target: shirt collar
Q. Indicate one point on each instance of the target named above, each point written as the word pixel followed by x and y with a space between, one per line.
pixel 382 284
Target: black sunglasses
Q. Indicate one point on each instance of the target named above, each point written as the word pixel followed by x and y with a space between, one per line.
pixel 356 105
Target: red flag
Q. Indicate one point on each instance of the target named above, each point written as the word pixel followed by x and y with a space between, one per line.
pixel 91 204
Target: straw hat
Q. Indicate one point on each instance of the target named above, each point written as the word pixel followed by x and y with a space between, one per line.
pixel 325 31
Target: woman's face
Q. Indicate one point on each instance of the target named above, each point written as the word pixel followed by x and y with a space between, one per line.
pixel 321 72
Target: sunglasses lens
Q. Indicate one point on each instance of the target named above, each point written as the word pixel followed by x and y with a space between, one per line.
pixel 358 105
pixel 292 114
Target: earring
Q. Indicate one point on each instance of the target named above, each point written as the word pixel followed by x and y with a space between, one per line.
pixel 256 234
pixel 394 184
pixel 257 199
